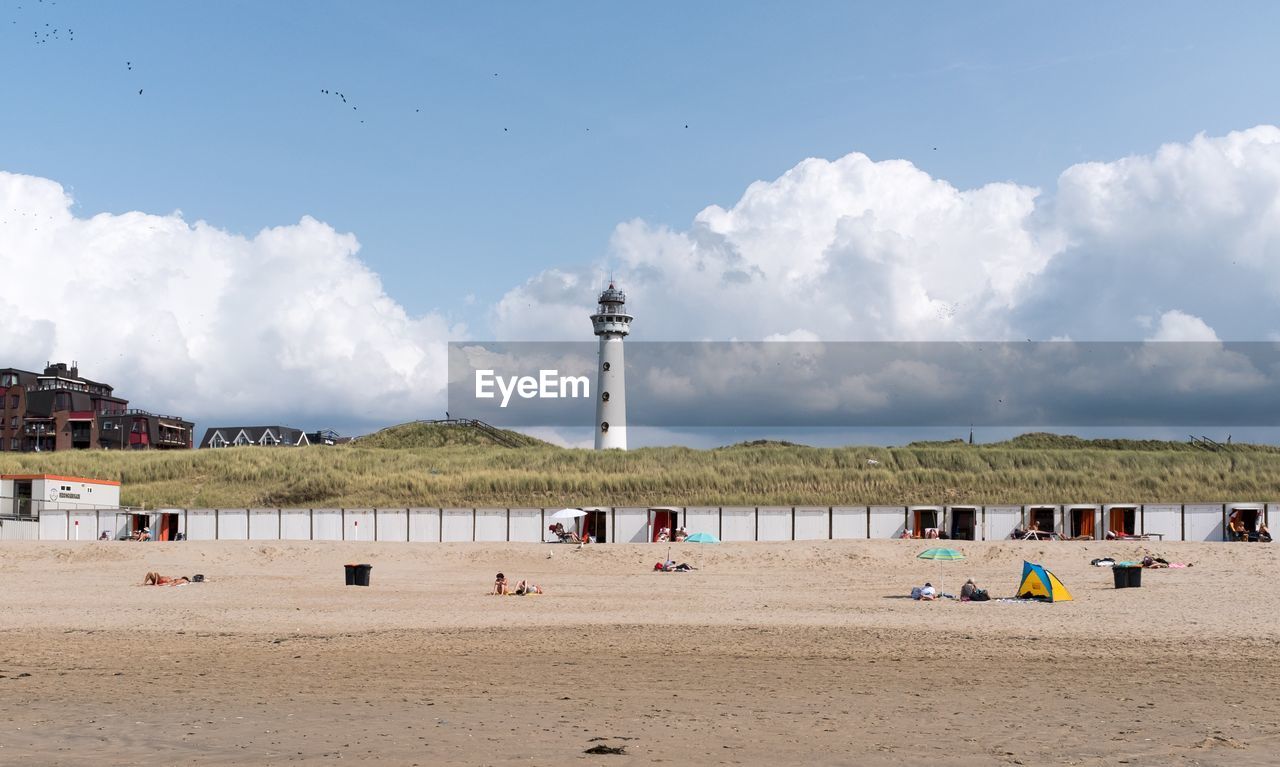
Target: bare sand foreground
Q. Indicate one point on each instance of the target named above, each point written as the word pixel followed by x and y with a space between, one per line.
pixel 768 654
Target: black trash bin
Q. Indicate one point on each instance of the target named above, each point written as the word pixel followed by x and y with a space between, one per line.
pixel 351 574
pixel 359 574
pixel 1127 577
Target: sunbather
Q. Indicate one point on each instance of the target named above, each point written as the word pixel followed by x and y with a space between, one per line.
pixel 528 587
pixel 671 567
pixel 500 587
pixel 156 579
pixel 928 593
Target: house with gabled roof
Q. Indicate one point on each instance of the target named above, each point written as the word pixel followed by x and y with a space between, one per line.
pixel 261 436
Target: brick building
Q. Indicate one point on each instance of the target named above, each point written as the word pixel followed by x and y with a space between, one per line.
pixel 60 410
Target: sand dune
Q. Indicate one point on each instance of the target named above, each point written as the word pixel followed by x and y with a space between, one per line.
pixel 769 653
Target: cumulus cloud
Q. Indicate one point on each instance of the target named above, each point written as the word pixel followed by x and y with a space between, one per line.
pixel 190 319
pixel 855 249
pixel 1182 244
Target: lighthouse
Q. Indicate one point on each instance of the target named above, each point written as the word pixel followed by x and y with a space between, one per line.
pixel 612 324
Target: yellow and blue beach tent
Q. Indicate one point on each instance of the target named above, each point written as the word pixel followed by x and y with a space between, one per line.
pixel 1039 582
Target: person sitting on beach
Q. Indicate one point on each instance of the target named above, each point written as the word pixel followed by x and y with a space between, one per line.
pixel 681 534
pixel 528 587
pixel 500 587
pixel 1237 528
pixel 106 535
pixel 664 535
pixel 1264 535
pixel 971 593
pixel 562 534
pixel 156 579
pixel 928 593
pixel 143 535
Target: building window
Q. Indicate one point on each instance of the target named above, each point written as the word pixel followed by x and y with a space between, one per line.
pixel 604 397
pixel 605 367
pixel 217 440
pixel 604 426
pixel 13 400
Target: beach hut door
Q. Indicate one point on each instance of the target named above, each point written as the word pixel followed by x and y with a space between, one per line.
pixel 925 520
pixel 1082 523
pixel 595 525
pixel 1043 518
pixel 166 528
pixel 964 523
pixel 1122 521
pixel 663 524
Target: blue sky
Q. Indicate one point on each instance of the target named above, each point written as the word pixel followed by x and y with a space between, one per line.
pixel 232 127
pixel 503 140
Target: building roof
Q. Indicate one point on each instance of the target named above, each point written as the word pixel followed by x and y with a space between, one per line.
pixel 60 478
pixel 253 435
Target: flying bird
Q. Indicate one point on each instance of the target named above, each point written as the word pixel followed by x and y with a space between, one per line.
pixel 139 91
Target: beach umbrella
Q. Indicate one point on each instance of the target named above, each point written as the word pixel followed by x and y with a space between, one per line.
pixel 702 538
pixel 567 514
pixel 940 555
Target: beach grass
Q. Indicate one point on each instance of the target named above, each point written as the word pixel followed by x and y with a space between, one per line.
pixel 1029 469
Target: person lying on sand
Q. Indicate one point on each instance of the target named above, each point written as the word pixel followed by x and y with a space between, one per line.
pixel 671 567
pixel 500 586
pixel 156 579
pixel 927 594
pixel 528 587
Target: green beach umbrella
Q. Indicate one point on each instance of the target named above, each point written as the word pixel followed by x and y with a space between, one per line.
pixel 946 555
pixel 941 554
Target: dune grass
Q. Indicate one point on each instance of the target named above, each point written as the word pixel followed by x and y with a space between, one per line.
pixel 1032 469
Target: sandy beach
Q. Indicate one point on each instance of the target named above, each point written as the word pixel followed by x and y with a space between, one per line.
pixel 767 654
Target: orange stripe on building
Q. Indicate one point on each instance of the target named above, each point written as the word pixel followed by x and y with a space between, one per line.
pixel 61 478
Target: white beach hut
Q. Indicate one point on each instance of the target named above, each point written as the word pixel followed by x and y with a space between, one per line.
pixel 1123 519
pixel 1082 521
pixel 962 522
pixel 490 525
pixel 702 519
pixel 391 524
pixel 924 521
pixel 811 523
pixel 1046 517
pixel 737 523
pixel 326 524
pixel 457 525
pixel 664 521
pixel 849 522
pixel 773 523
pixel 999 522
pixel 1251 515
pixel 886 521
pixel 1163 520
pixel 630 524
pixel 424 524
pixel 1203 522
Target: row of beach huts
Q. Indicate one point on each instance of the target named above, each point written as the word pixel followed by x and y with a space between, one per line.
pixel 55 508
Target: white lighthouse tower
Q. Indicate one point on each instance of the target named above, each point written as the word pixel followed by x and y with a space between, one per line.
pixel 612 324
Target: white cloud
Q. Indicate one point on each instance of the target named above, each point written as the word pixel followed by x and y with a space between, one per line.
pixel 187 318
pixel 853 249
pixel 1179 326
pixel 1179 244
